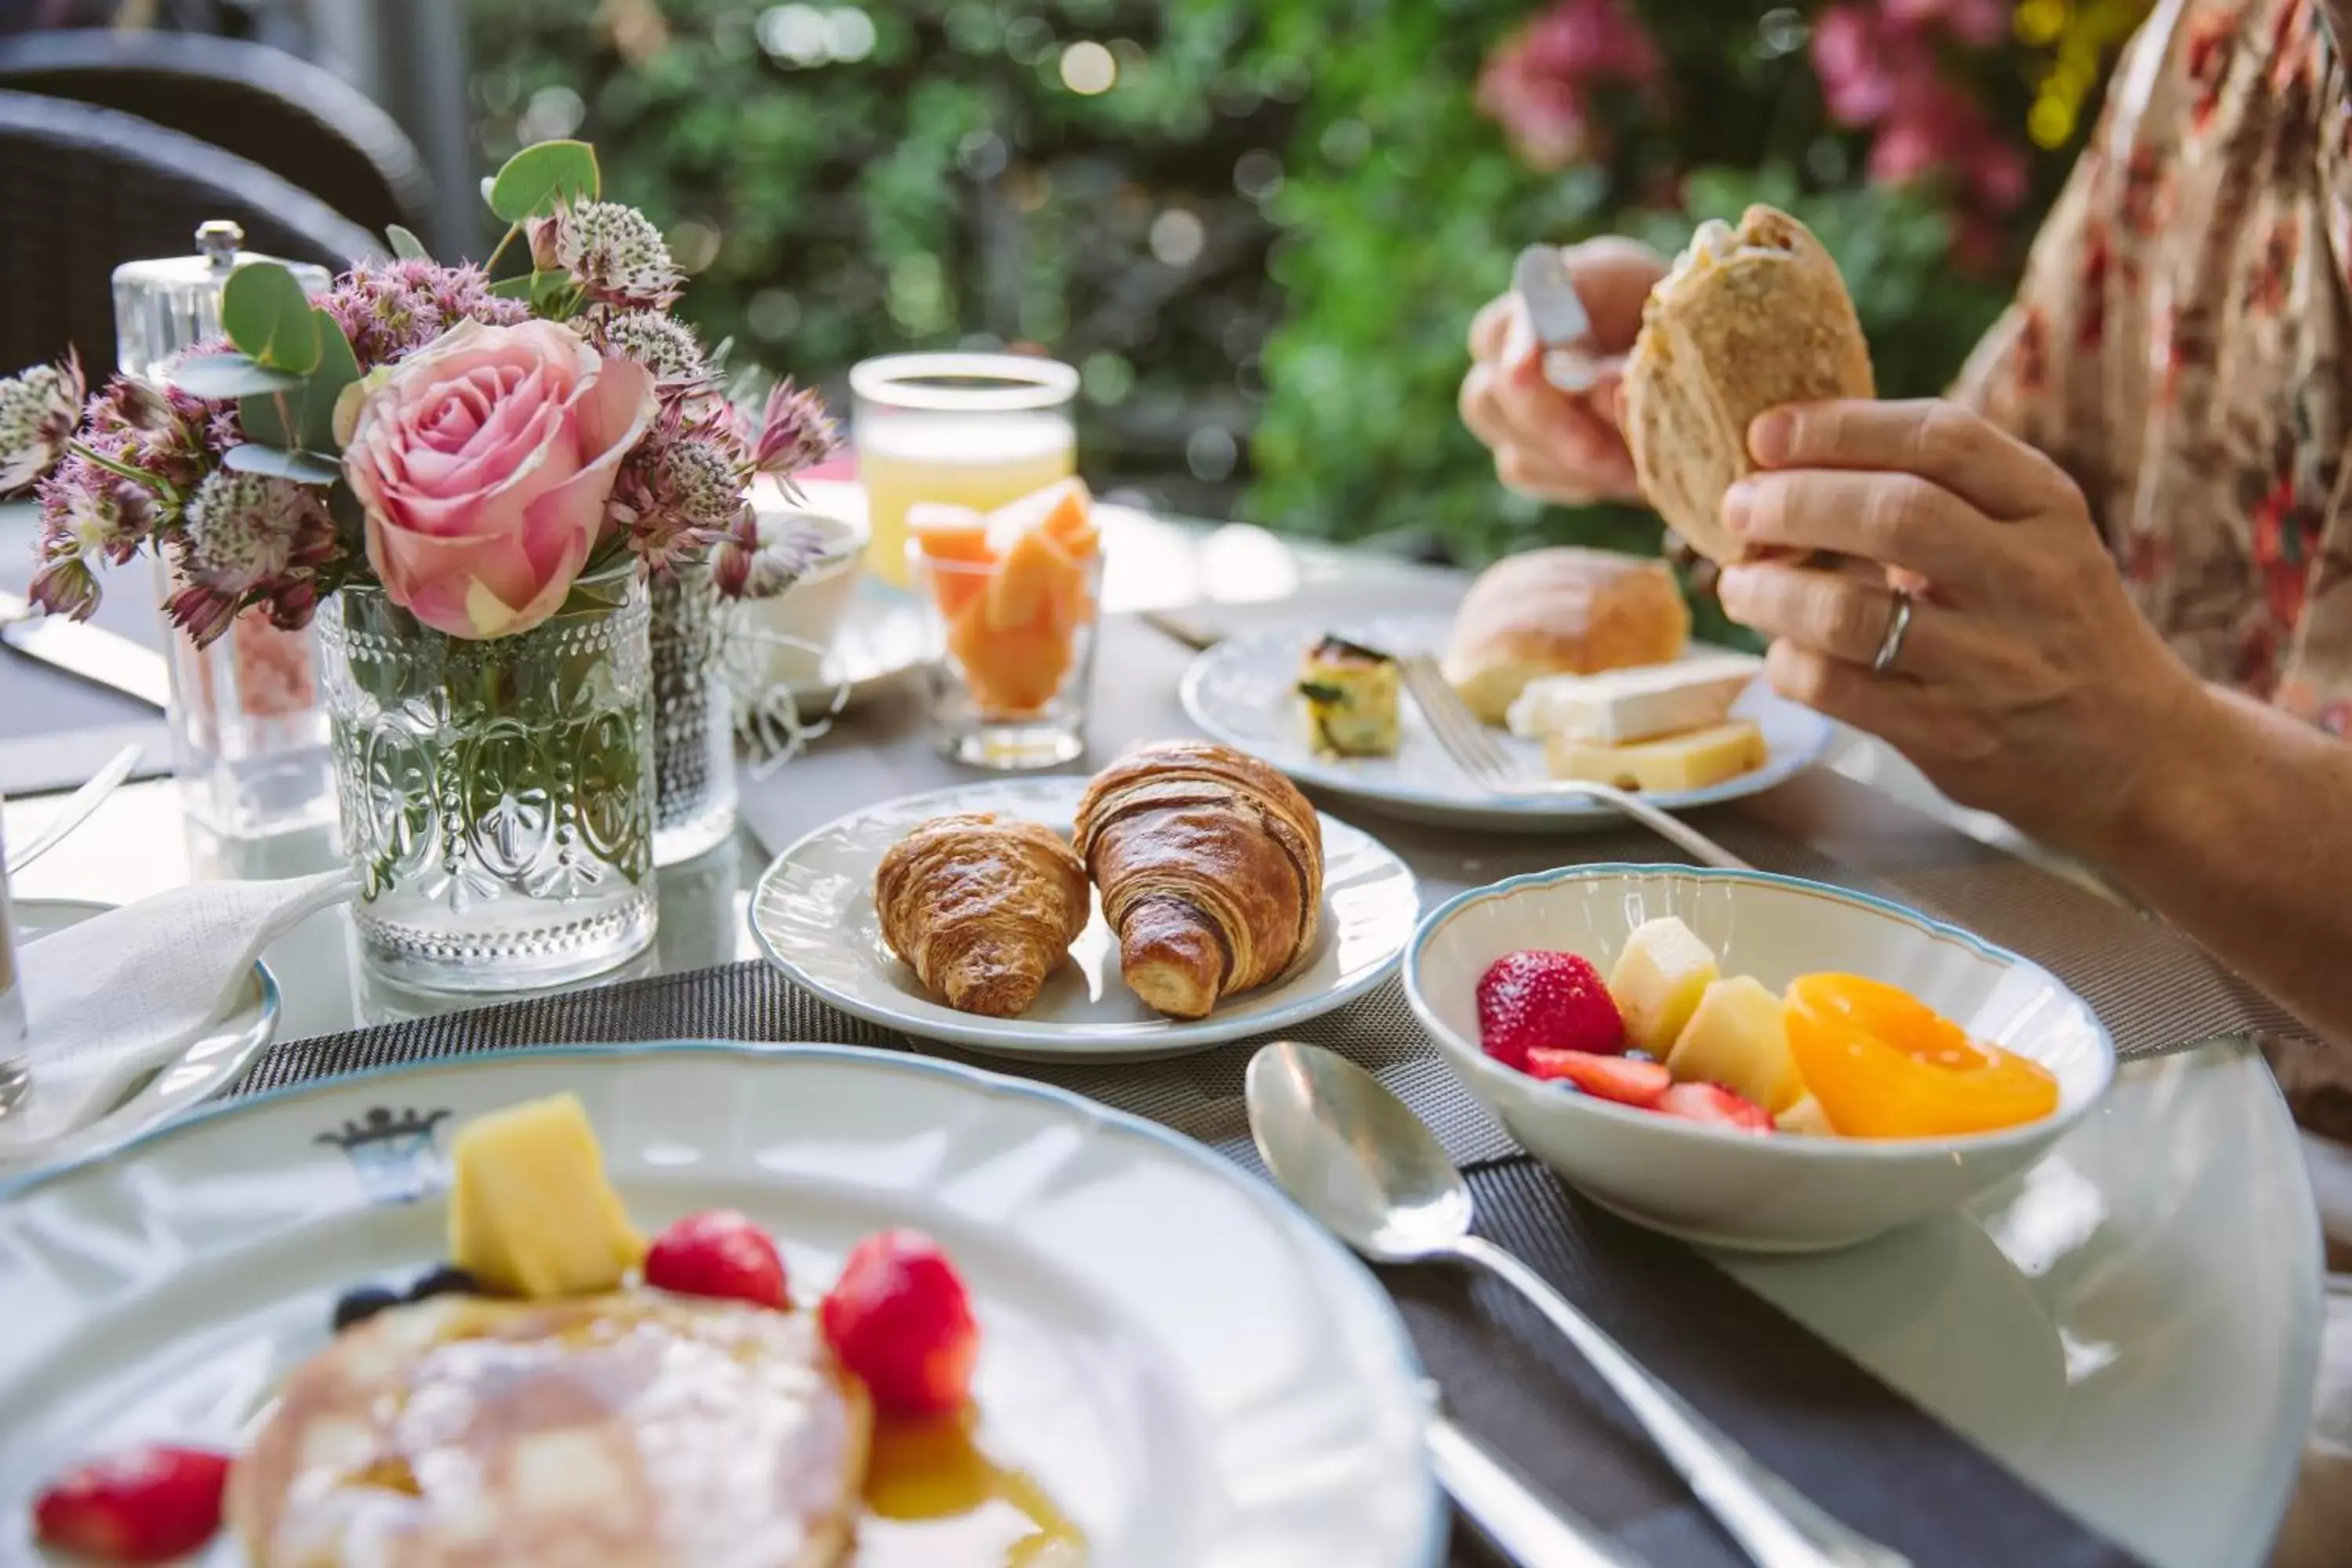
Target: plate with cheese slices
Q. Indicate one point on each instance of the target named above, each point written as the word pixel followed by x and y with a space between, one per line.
pixel 1588 675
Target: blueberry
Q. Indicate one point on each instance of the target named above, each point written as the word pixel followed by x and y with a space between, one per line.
pixel 357 1306
pixel 446 1281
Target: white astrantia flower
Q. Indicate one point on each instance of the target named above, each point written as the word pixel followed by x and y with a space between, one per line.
pixel 703 483
pixel 38 411
pixel 662 344
pixel 242 527
pixel 614 251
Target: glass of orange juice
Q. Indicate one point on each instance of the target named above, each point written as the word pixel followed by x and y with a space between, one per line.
pixel 976 429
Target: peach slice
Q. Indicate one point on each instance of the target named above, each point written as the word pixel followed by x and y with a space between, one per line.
pixel 1014 669
pixel 1036 573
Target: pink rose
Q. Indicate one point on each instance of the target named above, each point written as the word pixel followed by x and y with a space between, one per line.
pixel 484 461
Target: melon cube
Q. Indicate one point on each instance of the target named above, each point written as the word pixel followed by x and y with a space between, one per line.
pixel 530 1212
pixel 1657 983
pixel 1737 1037
pixel 1064 509
pixel 1806 1116
pixel 1013 670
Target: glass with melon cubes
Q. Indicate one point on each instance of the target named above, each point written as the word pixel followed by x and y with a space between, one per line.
pixel 1013 596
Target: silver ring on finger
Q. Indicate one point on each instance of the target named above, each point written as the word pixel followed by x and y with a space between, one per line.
pixel 1898 627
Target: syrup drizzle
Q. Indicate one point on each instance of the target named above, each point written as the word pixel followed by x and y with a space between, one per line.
pixel 933 1496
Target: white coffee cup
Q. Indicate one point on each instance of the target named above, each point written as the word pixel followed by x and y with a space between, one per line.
pixel 790 634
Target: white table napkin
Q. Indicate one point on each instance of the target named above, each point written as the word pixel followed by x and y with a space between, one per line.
pixel 116 995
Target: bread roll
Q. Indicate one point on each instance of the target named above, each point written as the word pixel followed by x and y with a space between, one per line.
pixel 1560 612
pixel 1747 320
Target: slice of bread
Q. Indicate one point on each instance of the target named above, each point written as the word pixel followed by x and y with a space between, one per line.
pixel 1747 320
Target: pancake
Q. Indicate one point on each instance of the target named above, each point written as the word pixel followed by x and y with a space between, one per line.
pixel 640 1431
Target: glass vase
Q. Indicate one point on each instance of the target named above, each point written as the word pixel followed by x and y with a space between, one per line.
pixel 694 717
pixel 496 795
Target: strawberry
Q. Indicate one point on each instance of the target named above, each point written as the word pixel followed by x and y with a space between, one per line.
pixel 1715 1106
pixel 721 1253
pixel 1545 1001
pixel 900 1321
pixel 1621 1078
pixel 143 1505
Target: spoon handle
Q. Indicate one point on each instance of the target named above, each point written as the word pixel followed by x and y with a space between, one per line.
pixel 1777 1525
pixel 1514 1520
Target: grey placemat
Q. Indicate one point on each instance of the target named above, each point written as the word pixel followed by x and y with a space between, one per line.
pixel 1849 1442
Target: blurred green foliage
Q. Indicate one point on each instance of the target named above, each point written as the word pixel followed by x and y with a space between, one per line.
pixel 1263 245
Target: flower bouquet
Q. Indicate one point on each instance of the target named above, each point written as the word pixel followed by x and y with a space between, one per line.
pixel 479 488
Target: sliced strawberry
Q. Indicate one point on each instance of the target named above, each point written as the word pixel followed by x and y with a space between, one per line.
pixel 1621 1078
pixel 900 1321
pixel 1544 1001
pixel 721 1253
pixel 1714 1105
pixel 144 1505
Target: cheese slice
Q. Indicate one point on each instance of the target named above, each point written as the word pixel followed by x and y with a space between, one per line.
pixel 1620 706
pixel 1690 761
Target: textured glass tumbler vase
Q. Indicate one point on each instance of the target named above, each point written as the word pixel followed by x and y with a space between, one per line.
pixel 496 796
pixel 694 718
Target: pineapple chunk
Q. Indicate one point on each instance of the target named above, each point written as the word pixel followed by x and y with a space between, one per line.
pixel 1737 1037
pixel 530 1212
pixel 1806 1116
pixel 1657 983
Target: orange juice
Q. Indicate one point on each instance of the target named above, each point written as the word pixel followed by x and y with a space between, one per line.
pixel 979 461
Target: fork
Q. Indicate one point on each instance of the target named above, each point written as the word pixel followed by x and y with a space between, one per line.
pixel 1478 754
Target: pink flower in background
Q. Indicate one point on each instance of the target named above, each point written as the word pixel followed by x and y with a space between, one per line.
pixel 1536 83
pixel 1857 63
pixel 484 462
pixel 1980 24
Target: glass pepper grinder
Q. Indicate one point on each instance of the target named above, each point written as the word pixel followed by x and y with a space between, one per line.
pixel 249 733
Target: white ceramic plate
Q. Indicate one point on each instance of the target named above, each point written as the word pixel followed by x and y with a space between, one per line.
pixel 1192 1373
pixel 814 915
pixel 198 1068
pixel 1240 692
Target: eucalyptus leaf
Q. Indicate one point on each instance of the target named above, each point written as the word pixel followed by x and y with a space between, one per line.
pixel 223 377
pixel 338 368
pixel 302 468
pixel 543 178
pixel 271 418
pixel 405 245
pixel 548 291
pixel 266 313
pixel 515 287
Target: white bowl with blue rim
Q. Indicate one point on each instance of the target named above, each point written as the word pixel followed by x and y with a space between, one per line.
pixel 1782 1193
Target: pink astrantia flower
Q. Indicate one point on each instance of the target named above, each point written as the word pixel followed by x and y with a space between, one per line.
pixel 484 463
pixel 388 309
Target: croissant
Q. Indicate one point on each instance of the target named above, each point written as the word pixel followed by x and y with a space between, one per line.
pixel 982 908
pixel 1211 868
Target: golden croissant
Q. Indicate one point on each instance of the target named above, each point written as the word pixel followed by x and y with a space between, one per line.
pixel 1211 868
pixel 982 908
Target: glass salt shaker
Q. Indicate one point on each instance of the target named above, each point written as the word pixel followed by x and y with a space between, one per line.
pixel 249 730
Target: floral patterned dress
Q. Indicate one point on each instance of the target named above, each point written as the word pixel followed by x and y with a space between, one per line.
pixel 2179 345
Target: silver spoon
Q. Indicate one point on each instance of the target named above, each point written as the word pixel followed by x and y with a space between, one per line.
pixel 78 807
pixel 1351 1154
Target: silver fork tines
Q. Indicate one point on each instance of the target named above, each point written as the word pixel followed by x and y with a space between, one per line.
pixel 1482 758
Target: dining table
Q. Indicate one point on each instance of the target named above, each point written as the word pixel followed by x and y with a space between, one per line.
pixel 2109 1358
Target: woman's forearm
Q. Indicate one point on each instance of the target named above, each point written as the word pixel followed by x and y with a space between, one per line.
pixel 2241 836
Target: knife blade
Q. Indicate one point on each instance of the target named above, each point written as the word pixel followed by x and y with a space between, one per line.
pixel 93 653
pixel 1556 316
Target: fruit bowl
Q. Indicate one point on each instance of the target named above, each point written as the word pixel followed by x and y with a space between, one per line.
pixel 1785 1192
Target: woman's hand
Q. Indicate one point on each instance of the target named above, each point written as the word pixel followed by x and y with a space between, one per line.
pixel 2027 683
pixel 1560 445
